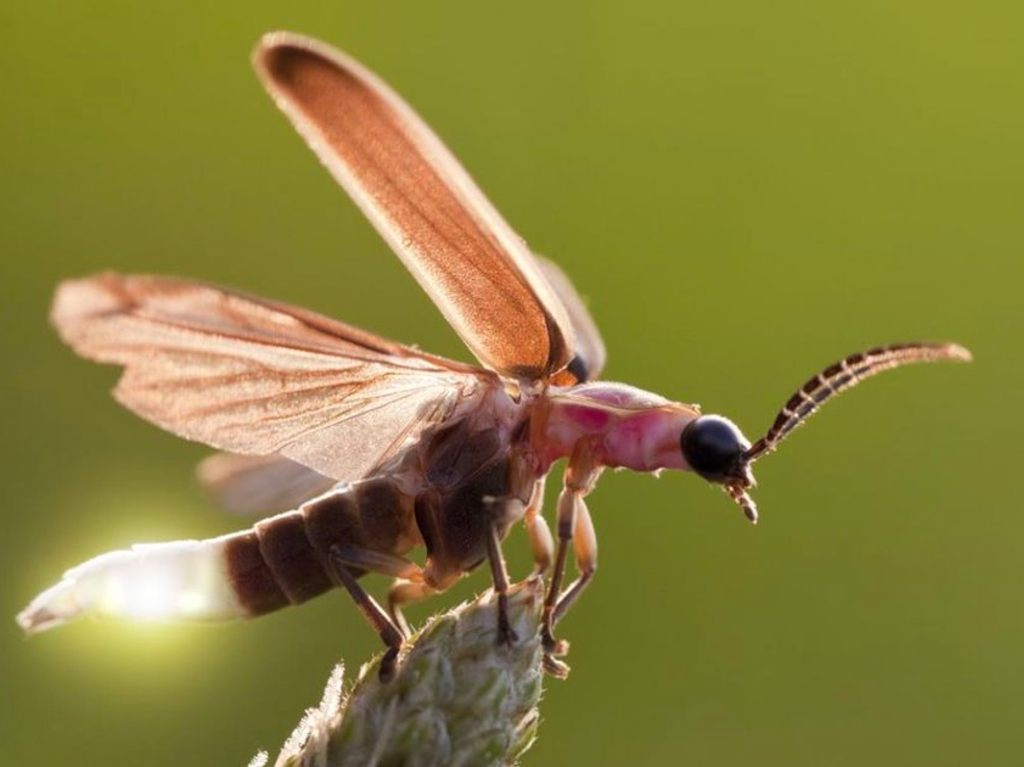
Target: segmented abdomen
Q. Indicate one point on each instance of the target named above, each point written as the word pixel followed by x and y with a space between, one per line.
pixel 282 560
pixel 285 559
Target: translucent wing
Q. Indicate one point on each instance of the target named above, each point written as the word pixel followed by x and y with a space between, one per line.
pixel 257 377
pixel 590 356
pixel 259 484
pixel 475 268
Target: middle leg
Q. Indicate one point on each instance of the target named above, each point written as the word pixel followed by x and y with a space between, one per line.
pixel 403 592
pixel 499 574
pixel 541 543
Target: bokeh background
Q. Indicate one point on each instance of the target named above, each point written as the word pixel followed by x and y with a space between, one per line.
pixel 743 190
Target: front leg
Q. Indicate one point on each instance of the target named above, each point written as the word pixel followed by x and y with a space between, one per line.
pixel 585 545
pixel 574 525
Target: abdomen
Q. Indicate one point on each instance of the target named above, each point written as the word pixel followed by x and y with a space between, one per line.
pixel 282 560
pixel 286 559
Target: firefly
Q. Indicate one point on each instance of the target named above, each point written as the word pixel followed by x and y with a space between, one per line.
pixel 356 450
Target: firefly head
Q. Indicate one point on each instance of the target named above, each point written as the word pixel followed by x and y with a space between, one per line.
pixel 716 449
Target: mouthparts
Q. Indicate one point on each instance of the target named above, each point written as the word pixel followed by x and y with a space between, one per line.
pixel 740 495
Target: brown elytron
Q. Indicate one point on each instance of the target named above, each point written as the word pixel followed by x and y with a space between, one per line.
pixel 458 247
pixel 365 449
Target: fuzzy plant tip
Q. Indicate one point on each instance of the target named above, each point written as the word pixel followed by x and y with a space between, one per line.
pixel 459 697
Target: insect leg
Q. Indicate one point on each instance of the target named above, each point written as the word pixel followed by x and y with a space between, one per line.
pixel 585 544
pixel 409 579
pixel 580 477
pixel 541 542
pixel 389 633
pixel 500 575
pixel 402 592
pixel 378 562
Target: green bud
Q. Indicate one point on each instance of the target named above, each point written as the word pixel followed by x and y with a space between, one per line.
pixel 458 697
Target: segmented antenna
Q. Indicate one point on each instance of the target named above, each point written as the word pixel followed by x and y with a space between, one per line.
pixel 846 374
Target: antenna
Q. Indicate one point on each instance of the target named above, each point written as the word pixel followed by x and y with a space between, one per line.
pixel 844 375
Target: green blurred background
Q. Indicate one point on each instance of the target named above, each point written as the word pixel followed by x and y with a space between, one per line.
pixel 744 191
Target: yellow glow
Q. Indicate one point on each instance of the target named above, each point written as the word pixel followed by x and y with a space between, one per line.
pixel 113 600
pixel 191 603
pixel 157 582
pixel 152 596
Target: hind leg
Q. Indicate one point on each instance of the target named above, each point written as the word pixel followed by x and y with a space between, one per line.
pixel 344 560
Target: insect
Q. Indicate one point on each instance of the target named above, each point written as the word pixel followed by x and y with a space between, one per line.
pixel 364 449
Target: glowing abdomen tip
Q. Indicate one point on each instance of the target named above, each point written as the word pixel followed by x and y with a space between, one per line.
pixel 50 609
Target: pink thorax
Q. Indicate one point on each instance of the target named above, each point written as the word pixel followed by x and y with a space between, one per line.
pixel 627 427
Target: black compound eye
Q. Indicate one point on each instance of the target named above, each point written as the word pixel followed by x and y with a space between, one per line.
pixel 578 367
pixel 714 448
